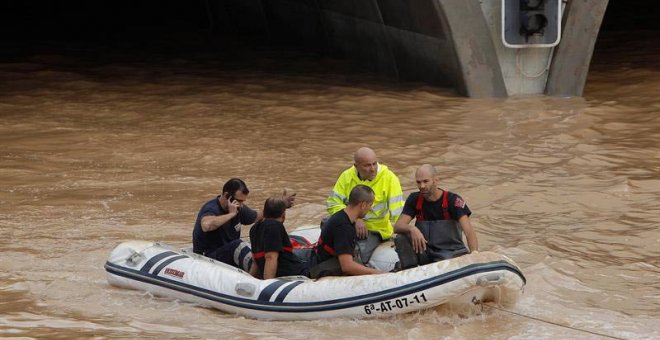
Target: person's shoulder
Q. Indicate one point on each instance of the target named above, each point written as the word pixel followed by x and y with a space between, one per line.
pixel 212 202
pixel 348 173
pixel 272 224
pixel 413 196
pixel 247 213
pixel 452 195
pixel 337 218
pixel 456 200
pixel 211 206
pixel 387 172
pixel 344 221
pixel 334 217
pixel 273 228
pixel 254 229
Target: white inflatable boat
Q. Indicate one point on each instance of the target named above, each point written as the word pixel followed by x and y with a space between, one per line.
pixel 459 283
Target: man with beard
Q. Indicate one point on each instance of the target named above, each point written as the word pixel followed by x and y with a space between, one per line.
pixel 440 217
pixel 336 245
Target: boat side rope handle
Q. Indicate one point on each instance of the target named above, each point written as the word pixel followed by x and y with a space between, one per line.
pixel 135 258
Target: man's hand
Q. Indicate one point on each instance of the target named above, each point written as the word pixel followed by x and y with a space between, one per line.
pixel 360 229
pixel 418 240
pixel 289 197
pixel 233 206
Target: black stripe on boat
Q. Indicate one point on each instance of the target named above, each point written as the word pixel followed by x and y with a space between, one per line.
pixel 286 290
pixel 168 261
pixel 269 290
pixel 152 261
pixel 315 306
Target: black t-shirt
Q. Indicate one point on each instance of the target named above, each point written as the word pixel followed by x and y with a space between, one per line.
pixel 433 210
pixel 338 234
pixel 206 242
pixel 270 235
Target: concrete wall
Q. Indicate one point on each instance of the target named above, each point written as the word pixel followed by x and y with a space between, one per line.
pixel 453 43
pixel 524 71
pixel 570 64
pixel 243 18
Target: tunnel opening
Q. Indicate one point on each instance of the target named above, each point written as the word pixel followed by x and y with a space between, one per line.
pixel 177 28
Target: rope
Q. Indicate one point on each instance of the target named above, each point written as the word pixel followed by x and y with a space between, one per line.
pixel 520 67
pixel 480 303
pixel 547 321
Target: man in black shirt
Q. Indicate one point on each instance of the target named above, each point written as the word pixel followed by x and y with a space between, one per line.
pixel 336 245
pixel 440 217
pixel 271 247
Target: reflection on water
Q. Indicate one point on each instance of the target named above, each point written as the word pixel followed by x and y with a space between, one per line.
pixel 97 151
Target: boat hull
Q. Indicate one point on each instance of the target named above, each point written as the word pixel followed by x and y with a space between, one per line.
pixel 459 283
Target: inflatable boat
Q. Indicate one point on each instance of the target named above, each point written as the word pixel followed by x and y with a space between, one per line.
pixel 459 283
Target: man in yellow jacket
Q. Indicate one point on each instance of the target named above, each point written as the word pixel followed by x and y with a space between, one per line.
pixel 376 226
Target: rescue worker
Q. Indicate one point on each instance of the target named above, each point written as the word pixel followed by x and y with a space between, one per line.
pixel 440 217
pixel 376 226
pixel 272 250
pixel 217 229
pixel 336 246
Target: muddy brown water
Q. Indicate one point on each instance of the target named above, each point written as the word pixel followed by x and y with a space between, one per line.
pixel 98 148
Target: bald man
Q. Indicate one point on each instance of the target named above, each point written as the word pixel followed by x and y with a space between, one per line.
pixel 377 225
pixel 441 218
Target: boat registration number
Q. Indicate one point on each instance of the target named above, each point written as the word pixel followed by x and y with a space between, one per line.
pixel 393 304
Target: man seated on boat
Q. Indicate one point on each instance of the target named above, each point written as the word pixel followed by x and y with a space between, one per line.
pixel 376 226
pixel 440 217
pixel 271 247
pixel 217 229
pixel 336 245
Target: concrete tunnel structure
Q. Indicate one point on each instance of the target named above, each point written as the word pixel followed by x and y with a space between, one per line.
pixel 449 43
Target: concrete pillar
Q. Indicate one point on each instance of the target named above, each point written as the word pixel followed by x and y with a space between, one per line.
pixel 524 70
pixel 453 43
pixel 470 40
pixel 570 64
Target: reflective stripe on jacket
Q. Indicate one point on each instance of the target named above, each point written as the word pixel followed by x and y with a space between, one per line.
pixel 388 203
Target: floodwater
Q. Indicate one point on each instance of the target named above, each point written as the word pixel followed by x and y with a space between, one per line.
pixel 100 145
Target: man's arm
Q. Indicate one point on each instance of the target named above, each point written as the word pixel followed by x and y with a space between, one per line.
pixel 254 270
pixel 288 195
pixel 403 226
pixel 395 200
pixel 350 267
pixel 470 233
pixel 270 265
pixel 335 201
pixel 210 222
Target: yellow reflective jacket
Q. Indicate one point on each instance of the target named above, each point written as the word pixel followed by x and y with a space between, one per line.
pixel 388 203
